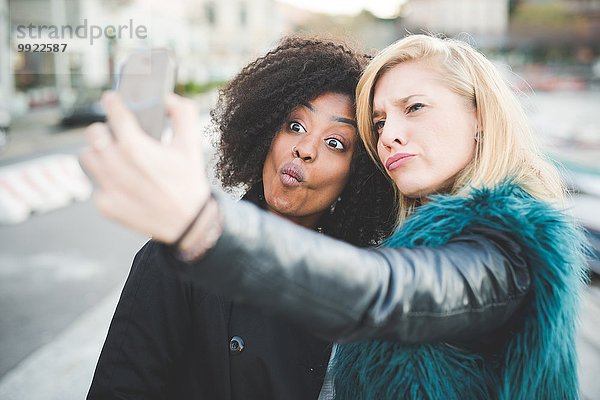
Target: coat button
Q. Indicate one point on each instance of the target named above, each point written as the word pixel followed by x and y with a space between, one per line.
pixel 236 345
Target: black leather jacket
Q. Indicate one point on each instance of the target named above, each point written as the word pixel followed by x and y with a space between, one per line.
pixel 455 292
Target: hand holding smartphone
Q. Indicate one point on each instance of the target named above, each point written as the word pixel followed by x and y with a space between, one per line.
pixel 145 79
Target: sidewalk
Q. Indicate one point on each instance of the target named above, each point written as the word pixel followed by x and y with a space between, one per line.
pixel 63 369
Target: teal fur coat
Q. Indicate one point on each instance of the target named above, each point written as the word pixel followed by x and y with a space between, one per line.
pixel 538 361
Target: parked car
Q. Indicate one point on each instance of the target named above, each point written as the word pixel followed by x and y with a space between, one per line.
pixel 85 110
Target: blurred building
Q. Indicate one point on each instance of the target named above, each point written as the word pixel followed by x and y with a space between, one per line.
pixel 38 76
pixel 210 40
pixel 366 29
pixel 556 23
pixel 229 33
pixel 485 21
pixel 6 83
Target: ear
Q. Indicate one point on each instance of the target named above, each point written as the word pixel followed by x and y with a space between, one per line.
pixel 477 124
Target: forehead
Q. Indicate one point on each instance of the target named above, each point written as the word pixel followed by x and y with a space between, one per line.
pixel 406 79
pixel 332 103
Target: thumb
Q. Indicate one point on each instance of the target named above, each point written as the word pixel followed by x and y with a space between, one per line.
pixel 185 121
pixel 121 120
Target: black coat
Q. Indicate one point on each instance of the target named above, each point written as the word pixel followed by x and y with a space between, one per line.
pixel 171 339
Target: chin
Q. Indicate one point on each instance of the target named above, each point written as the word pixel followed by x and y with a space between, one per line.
pixel 412 190
pixel 279 205
pixel 416 192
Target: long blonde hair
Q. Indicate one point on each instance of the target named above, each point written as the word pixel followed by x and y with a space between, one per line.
pixel 506 147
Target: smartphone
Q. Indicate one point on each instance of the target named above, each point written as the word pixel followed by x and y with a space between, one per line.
pixel 145 79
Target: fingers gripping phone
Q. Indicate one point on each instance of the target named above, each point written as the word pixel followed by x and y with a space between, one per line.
pixel 145 79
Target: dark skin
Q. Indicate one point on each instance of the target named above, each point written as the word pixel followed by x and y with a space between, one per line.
pixel 323 135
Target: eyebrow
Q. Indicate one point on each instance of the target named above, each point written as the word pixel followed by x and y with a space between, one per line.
pixel 309 106
pixel 344 120
pixel 397 102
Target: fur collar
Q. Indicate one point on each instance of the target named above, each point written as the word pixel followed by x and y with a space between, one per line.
pixel 537 362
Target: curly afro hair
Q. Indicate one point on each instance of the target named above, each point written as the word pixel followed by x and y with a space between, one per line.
pixel 253 106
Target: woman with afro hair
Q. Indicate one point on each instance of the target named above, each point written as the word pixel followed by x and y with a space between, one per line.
pixel 287 136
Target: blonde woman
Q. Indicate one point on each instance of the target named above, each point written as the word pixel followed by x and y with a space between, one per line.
pixel 475 294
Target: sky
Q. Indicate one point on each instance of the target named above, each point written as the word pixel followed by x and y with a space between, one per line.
pixel 381 8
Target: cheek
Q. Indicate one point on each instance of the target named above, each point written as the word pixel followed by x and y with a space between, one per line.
pixel 268 167
pixel 464 141
pixel 334 176
pixel 466 150
pixel 382 153
pixel 280 148
pixel 451 153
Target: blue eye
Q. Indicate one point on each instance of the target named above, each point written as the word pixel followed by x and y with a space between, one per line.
pixel 297 127
pixel 414 107
pixel 334 143
pixel 379 125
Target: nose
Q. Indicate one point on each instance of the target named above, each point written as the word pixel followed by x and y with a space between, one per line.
pixel 306 149
pixel 393 134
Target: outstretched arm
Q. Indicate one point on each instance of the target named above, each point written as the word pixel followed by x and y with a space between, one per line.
pixel 341 292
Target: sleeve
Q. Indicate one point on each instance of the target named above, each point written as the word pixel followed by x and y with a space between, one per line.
pixel 147 335
pixel 340 292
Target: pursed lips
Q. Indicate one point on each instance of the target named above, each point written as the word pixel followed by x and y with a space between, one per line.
pixel 396 160
pixel 292 174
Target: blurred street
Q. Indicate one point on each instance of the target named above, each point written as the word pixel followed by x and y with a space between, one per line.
pixel 61 274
